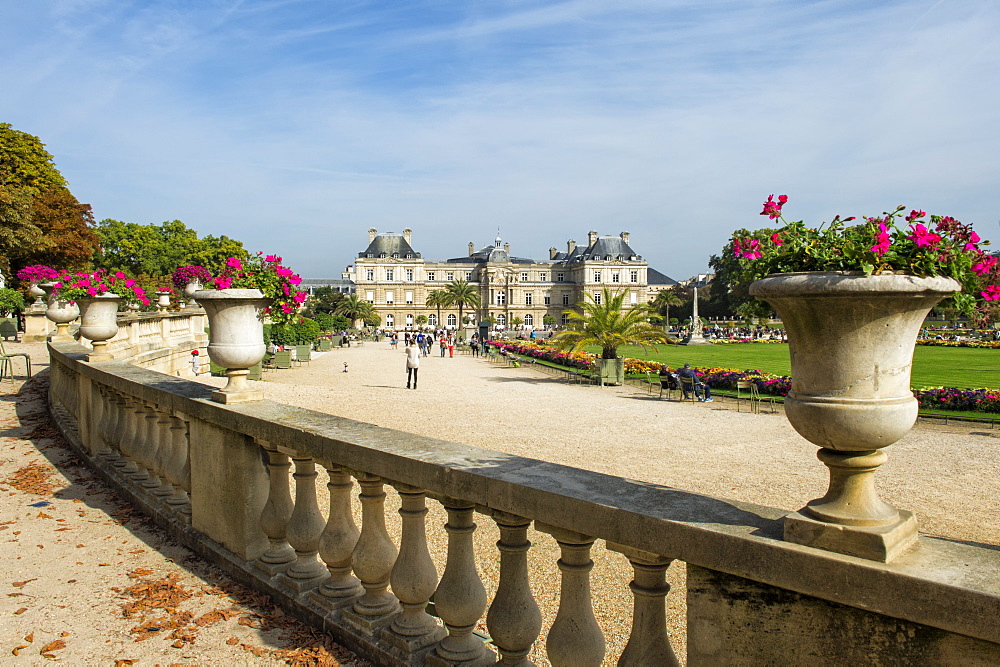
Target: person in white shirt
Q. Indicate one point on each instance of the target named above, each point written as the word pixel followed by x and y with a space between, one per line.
pixel 412 362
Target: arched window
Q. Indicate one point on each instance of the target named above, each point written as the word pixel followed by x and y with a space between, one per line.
pixel 529 319
pixel 452 320
pixel 502 320
pixel 432 320
pixel 390 321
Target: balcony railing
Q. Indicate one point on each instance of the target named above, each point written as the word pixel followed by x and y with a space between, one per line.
pixel 238 484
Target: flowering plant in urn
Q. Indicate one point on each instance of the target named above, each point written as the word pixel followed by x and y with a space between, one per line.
pixel 74 286
pixel 267 274
pixel 894 243
pixel 185 275
pixel 37 273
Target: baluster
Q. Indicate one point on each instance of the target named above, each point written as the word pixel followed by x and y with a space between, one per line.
pixel 648 643
pixel 336 544
pixel 109 424
pixel 575 639
pixel 304 528
pixel 164 452
pixel 127 446
pixel 178 468
pixel 99 416
pixel 151 480
pixel 460 598
pixel 413 577
pixel 514 619
pixel 141 443
pixel 373 559
pixel 276 513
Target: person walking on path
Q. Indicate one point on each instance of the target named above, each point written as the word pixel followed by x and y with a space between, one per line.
pixel 444 345
pixel 412 362
pixel 451 346
pixel 699 386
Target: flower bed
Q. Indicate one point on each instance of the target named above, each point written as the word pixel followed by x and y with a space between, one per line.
pixel 984 344
pixel 940 398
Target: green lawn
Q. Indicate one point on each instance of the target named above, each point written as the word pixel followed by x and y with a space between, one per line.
pixel 965 368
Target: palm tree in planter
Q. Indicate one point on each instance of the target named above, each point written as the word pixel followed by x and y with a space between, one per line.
pixel 354 308
pixel 603 322
pixel 461 294
pixel 438 299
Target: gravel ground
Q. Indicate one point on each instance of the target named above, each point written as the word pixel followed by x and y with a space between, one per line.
pixel 946 475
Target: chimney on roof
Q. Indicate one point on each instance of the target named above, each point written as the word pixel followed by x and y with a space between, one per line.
pixel 570 246
pixel 472 248
pixel 506 248
pixel 553 252
pixel 407 233
pixel 371 234
pixel 591 238
pixel 625 236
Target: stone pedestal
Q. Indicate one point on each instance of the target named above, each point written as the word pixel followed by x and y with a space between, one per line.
pixel 37 327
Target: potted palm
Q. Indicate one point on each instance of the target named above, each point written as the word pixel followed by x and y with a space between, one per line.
pixel 247 292
pixel 852 298
pixel 604 323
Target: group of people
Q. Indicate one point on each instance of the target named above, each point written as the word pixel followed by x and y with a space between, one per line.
pixel 671 380
pixel 420 343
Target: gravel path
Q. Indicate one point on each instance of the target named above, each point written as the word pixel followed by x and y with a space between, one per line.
pixel 945 475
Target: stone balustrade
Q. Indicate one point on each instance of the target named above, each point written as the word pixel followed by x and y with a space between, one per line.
pixel 240 485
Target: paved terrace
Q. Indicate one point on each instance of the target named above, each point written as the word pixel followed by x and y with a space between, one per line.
pixel 74 563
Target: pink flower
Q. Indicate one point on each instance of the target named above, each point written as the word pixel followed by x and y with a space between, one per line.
pixel 294 279
pixel 775 239
pixel 299 297
pixel 923 237
pixel 882 240
pixel 222 282
pixel 129 282
pixel 284 272
pixel 145 302
pixel 984 265
pixel 772 209
pixel 287 308
pixel 751 249
pixel 991 293
pixel 233 263
pixel 272 259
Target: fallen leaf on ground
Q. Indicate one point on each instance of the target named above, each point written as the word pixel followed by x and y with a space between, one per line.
pixel 54 646
pixel 20 611
pixel 30 638
pixel 22 584
pixel 17 649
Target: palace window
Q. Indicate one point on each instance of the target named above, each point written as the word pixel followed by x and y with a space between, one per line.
pixel 409 297
pixel 597 298
pixel 409 320
pixel 633 298
pixel 529 320
pixel 501 298
pixel 381 255
pixel 528 297
pixel 430 275
pixel 449 276
pixel 395 255
pixel 370 274
pixel 565 319
pixel 409 274
pixel 432 320
pixel 502 320
pixel 370 296
pixel 547 299
pixel 452 320
pixel 389 274
pixel 389 321
pixel 615 277
pixel 597 276
pixel 390 297
pixel 468 276
pixel 543 277
pixel 633 276
pixel 524 277
pixel 560 277
pixel 565 299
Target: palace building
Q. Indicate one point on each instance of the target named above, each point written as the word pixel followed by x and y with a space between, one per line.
pixel 396 279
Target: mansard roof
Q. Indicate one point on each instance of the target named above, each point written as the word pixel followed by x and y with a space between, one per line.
pixel 601 249
pixel 654 277
pixel 389 243
pixel 491 254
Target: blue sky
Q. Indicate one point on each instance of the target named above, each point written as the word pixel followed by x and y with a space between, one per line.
pixel 295 126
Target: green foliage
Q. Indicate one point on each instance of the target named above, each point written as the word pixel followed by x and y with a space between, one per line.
pixel 461 294
pixel 301 331
pixel 608 325
pixel 421 320
pixel 354 308
pixel 325 299
pixel 156 250
pixel 548 320
pixel 41 222
pixel 373 320
pixel 11 301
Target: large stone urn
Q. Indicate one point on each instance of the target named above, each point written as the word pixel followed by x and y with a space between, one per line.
pixel 37 306
pixel 61 312
pixel 162 301
pixel 235 338
pixel 191 288
pixel 851 340
pixel 99 323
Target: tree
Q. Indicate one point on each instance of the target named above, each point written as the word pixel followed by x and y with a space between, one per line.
pixel 727 296
pixel 354 308
pixel 662 303
pixel 461 293
pixel 548 320
pixel 516 321
pixel 41 222
pixel 608 325
pixel 438 299
pixel 325 299
pixel 156 250
pixel 421 320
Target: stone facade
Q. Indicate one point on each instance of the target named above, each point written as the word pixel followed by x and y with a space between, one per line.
pixel 397 279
